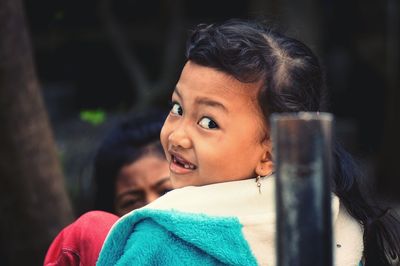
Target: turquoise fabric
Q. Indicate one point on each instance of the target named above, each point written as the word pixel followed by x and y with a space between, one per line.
pixel 155 237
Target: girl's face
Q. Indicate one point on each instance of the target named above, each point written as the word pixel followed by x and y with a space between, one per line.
pixel 215 130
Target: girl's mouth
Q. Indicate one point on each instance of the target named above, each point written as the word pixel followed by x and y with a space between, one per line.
pixel 179 165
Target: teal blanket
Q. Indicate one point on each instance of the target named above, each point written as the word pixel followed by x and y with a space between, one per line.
pixel 160 237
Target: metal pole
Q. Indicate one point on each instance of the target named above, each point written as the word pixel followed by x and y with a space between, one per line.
pixel 302 154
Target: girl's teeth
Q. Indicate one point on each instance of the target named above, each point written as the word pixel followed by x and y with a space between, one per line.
pixel 186 166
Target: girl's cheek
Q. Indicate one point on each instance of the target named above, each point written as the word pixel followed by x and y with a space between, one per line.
pixel 164 135
pixel 166 131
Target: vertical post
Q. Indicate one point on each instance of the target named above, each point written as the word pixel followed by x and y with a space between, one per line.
pixel 302 154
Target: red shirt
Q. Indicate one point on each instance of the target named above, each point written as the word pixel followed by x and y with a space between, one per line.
pixel 80 243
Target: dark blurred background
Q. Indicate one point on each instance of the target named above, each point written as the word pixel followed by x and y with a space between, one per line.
pixel 94 55
pixel 98 60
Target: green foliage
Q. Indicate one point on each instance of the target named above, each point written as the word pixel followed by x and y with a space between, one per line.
pixel 94 117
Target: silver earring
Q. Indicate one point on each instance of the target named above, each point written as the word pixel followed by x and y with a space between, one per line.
pixel 258 183
pixel 258 180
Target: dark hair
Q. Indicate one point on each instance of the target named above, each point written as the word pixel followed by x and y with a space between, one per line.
pixel 126 143
pixel 293 81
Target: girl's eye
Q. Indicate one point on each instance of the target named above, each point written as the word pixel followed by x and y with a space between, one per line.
pixel 207 123
pixel 176 109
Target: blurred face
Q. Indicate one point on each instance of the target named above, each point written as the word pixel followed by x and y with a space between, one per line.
pixel 215 131
pixel 141 182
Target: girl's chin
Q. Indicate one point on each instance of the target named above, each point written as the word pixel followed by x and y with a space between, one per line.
pixel 177 182
pixel 180 181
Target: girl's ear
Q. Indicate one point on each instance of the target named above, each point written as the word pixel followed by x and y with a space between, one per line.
pixel 265 166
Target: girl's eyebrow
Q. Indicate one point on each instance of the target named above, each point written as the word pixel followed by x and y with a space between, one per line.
pixel 176 90
pixel 209 102
pixel 205 101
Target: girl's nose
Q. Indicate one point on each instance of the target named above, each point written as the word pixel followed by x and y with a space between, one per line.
pixel 179 138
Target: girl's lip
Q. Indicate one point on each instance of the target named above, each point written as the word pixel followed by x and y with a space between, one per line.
pixel 179 165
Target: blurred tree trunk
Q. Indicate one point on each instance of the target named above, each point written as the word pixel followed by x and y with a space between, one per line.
pixel 33 201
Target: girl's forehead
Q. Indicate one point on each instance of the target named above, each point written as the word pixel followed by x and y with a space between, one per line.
pixel 201 86
pixel 215 81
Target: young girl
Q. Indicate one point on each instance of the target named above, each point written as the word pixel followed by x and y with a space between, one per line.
pixel 216 139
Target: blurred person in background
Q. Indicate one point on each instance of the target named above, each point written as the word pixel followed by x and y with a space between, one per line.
pixel 130 168
pixel 130 171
